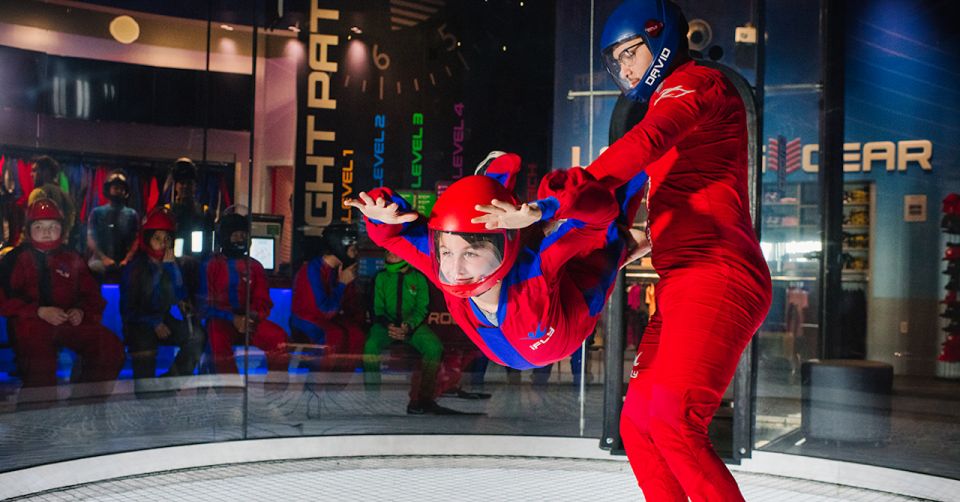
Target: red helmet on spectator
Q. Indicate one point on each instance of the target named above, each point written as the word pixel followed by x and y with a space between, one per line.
pixel 159 218
pixel 44 209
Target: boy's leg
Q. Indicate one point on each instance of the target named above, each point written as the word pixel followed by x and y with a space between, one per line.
pixel 36 352
pixel 272 340
pixel 190 340
pixel 100 350
pixel 222 334
pixel 142 344
pixel 377 341
pixel 596 273
pixel 431 350
pixel 352 355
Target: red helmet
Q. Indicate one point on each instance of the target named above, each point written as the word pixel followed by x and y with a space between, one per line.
pixel 951 203
pixel 952 253
pixel 44 209
pixel 451 216
pixel 159 218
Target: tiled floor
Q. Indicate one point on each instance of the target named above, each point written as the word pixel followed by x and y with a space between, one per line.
pixel 924 428
pixel 417 479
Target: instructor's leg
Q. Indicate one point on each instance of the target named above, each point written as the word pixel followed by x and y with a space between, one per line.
pixel 708 318
pixel 653 474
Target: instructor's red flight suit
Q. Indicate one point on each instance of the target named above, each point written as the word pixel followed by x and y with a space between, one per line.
pixel 714 288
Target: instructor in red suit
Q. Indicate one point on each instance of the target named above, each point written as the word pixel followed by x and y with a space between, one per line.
pixel 714 288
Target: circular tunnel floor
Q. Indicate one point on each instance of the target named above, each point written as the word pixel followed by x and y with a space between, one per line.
pixel 418 479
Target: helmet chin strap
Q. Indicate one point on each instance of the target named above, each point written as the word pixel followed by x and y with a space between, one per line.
pixel 488 289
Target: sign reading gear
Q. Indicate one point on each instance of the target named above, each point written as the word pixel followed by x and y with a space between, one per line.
pixel 863 157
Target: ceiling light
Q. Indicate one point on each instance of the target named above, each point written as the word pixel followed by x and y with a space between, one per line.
pixel 124 29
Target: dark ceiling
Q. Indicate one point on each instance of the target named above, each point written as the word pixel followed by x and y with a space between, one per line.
pixel 239 12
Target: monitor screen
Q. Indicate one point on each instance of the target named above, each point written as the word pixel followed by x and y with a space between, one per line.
pixel 196 241
pixel 262 249
pixel 178 247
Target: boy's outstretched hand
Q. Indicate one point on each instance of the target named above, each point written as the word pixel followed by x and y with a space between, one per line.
pixel 505 215
pixel 380 210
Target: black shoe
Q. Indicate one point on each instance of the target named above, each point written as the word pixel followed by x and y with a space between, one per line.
pixel 952 313
pixel 432 408
pixel 950 224
pixel 462 394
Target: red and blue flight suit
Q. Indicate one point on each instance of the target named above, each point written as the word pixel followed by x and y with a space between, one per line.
pixel 226 278
pixel 324 309
pixel 715 288
pixel 554 291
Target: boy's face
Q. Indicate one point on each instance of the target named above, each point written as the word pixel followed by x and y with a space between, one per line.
pixel 160 240
pixel 464 263
pixel 117 191
pixel 392 258
pixel 238 237
pixel 45 231
pixel 634 58
pixel 36 174
pixel 183 190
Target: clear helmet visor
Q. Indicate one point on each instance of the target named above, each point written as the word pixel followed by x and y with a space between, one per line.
pixel 462 259
pixel 625 62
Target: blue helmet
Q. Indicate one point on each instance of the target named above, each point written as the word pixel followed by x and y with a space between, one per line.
pixel 656 23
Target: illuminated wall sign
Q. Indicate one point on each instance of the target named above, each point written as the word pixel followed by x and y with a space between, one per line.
pixel 346 177
pixel 379 146
pixel 458 142
pixel 316 134
pixel 864 157
pixel 416 150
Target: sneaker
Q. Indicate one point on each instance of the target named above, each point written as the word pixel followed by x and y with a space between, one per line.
pixel 637 248
pixel 485 163
pixel 432 408
pixel 462 394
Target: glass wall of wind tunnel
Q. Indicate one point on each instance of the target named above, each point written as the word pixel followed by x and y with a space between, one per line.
pixel 869 394
pixel 417 97
pixel 589 114
pixel 96 107
pixel 790 221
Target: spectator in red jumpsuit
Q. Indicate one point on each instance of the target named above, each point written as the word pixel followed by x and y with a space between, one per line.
pixel 324 297
pixel 526 298
pixel 224 284
pixel 714 288
pixel 52 302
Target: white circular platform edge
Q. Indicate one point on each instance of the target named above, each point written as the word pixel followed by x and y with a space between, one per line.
pixel 88 470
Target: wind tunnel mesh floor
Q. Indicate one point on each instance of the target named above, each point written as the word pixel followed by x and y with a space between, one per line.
pixel 417 479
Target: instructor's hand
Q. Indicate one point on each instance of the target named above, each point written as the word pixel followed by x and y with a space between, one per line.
pixel 380 210
pixel 505 215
